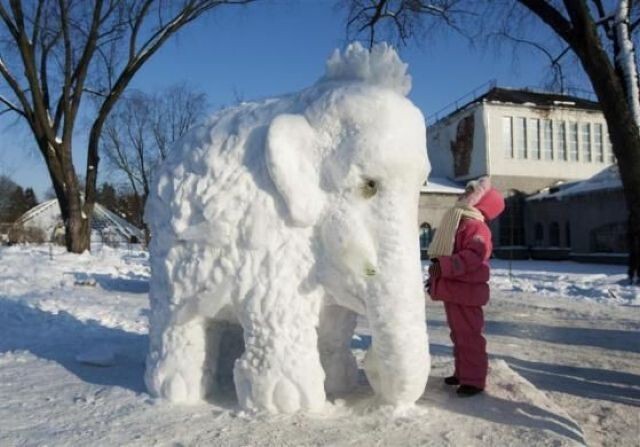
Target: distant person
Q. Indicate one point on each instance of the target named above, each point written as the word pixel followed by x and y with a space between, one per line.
pixel 459 275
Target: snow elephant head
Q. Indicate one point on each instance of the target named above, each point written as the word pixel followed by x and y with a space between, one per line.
pixel 291 217
pixel 351 166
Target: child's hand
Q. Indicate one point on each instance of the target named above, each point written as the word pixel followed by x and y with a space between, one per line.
pixel 434 269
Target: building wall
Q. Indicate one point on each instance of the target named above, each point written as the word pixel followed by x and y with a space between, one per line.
pixel 473 142
pixel 592 212
pixel 433 206
pixel 529 185
pixel 545 213
pixel 518 142
pixel 597 223
pixel 456 145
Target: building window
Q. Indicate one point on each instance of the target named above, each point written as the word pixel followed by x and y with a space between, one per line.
pixel 507 136
pixel 554 234
pixel 520 137
pixel 609 150
pixel 538 234
pixel 598 143
pixel 586 142
pixel 567 234
pixel 562 141
pixel 534 138
pixel 426 235
pixel 547 136
pixel 573 141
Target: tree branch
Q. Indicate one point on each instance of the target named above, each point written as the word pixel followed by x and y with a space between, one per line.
pixel 40 118
pixel 36 22
pixel 11 107
pixel 135 29
pixel 406 15
pixel 17 90
pixel 82 67
pixel 6 18
pixel 552 17
pixel 554 61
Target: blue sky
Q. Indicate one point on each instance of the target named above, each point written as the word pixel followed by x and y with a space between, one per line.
pixel 273 48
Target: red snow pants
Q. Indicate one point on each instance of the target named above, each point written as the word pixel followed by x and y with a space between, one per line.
pixel 469 345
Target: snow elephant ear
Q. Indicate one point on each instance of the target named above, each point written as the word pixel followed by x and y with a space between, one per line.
pixel 293 161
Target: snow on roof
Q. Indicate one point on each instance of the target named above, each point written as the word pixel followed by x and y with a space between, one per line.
pixel 442 185
pixel 535 98
pixel 47 216
pixel 525 97
pixel 607 179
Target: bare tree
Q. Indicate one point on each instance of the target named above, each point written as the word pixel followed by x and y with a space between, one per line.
pixel 406 19
pixel 601 34
pixel 141 130
pixel 53 53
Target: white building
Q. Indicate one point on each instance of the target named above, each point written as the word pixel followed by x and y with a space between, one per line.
pixel 525 140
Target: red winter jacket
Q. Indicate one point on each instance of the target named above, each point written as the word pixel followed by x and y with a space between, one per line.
pixel 464 275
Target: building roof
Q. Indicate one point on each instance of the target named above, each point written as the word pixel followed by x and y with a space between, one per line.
pixel 541 99
pixel 607 179
pixel 502 95
pixel 47 216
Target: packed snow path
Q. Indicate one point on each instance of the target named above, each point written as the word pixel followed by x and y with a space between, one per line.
pixel 565 365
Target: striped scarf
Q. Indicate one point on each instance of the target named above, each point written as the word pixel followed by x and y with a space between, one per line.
pixel 442 244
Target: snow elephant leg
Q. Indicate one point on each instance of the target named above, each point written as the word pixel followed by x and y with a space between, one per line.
pixel 280 370
pixel 175 370
pixel 334 344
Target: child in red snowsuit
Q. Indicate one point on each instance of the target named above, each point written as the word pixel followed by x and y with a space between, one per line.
pixel 459 276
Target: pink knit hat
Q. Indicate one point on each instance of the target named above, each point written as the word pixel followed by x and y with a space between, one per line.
pixel 488 200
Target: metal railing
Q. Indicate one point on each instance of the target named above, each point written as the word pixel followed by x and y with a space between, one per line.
pixel 462 101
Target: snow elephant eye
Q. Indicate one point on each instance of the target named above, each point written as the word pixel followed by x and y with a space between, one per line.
pixel 369 188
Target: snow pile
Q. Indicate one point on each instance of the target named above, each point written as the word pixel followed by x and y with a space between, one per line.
pixel 289 217
pixel 585 282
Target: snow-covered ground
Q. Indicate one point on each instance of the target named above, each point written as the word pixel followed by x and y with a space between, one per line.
pixel 565 368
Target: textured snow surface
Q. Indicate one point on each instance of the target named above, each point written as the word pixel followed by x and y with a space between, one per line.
pixel 288 217
pixel 565 369
pixel 605 283
pixel 380 67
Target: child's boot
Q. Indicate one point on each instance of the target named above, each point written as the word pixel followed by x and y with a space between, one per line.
pixel 468 390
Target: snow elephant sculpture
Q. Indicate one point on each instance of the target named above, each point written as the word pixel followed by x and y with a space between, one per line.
pixel 290 217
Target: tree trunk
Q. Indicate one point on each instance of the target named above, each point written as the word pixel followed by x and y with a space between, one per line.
pixel 77 223
pixel 623 130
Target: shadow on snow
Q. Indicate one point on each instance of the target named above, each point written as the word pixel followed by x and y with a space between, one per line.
pixel 61 337
pixel 610 339
pixel 486 406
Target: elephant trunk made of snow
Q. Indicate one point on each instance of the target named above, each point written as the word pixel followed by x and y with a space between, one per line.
pixel 397 363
